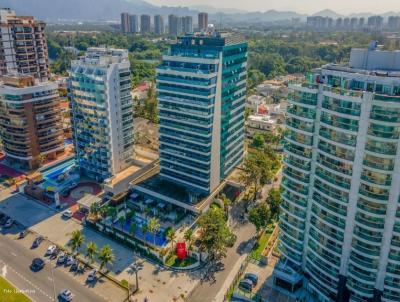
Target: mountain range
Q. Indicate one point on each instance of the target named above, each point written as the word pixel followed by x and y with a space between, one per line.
pixel 110 10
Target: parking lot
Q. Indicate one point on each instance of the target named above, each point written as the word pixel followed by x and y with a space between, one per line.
pixel 156 283
pixel 46 283
pixel 264 289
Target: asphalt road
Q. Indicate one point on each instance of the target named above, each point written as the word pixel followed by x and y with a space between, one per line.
pixel 15 260
pixel 207 290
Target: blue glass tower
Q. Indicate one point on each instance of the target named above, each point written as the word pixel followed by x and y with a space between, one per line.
pixel 201 86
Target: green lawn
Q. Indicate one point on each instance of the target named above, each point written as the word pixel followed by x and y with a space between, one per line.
pixel 260 245
pixel 174 261
pixel 10 294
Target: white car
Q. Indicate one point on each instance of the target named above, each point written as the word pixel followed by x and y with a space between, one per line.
pixel 92 276
pixel 66 295
pixel 51 249
pixel 67 214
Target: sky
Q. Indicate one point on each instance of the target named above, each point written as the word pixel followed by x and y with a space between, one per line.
pixel 301 6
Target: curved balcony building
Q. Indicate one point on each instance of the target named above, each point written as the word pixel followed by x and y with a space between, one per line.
pixel 340 214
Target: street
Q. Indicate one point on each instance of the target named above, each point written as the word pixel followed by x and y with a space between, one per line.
pixel 209 288
pixel 15 259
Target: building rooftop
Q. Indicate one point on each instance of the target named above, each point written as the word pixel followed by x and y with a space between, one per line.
pixel 211 39
pixel 370 61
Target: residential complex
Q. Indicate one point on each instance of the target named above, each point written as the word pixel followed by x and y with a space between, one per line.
pixel 30 121
pixel 159 27
pixel 125 28
pixel 145 24
pixel 134 23
pixel 23 46
pixel 102 112
pixel 187 24
pixel 174 25
pixel 201 88
pixel 372 23
pixel 202 21
pixel 340 214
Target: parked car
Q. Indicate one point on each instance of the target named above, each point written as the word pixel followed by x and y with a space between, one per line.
pixel 69 261
pixel 66 295
pixel 246 285
pixel 9 223
pixel 74 266
pixel 22 234
pixel 252 277
pixel 92 276
pixel 67 214
pixel 61 258
pixel 37 264
pixel 50 250
pixel 4 219
pixel 38 240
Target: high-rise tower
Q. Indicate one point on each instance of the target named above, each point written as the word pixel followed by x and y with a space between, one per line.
pixel 340 214
pixel 201 88
pixel 102 112
pixel 23 46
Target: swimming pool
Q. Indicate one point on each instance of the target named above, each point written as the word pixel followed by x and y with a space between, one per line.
pixel 159 239
pixel 53 172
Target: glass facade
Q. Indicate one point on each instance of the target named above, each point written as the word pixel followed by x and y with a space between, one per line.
pixel 201 87
pixel 102 112
pixel 338 220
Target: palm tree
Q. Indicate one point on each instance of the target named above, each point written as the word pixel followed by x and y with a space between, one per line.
pixel 189 237
pixel 77 239
pixel 122 221
pixel 144 228
pixel 171 236
pixel 103 211
pixel 132 229
pixel 94 209
pixel 91 251
pixel 154 227
pixel 106 256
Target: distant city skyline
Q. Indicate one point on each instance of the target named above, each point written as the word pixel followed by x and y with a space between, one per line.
pixel 304 6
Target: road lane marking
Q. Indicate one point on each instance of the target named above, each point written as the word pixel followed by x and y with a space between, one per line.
pixel 4 271
pixel 28 281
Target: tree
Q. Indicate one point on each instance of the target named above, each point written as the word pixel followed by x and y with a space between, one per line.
pixel 274 200
pixel 91 251
pixel 153 227
pixel 170 235
pixel 189 237
pixel 122 220
pixel 258 141
pixel 214 233
pixel 112 212
pixel 132 229
pixel 77 239
pixel 106 256
pixel 260 216
pixel 94 209
pixel 144 228
pixel 254 77
pixel 259 169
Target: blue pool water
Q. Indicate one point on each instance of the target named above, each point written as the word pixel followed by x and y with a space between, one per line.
pixel 54 172
pixel 160 239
